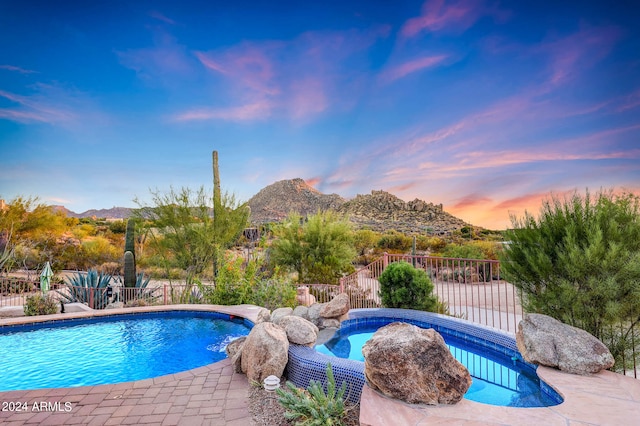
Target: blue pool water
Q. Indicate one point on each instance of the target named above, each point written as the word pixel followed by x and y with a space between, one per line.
pixel 112 349
pixel 497 379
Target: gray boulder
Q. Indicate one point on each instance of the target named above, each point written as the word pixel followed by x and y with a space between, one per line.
pixel 265 352
pixel 314 313
pixel 301 311
pixel 299 330
pixel 329 323
pixel 280 312
pixel 234 352
pixel 546 341
pixel 337 307
pixel 414 365
pixel 263 316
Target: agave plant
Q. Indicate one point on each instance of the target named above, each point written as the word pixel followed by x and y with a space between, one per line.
pixel 89 288
pixel 142 289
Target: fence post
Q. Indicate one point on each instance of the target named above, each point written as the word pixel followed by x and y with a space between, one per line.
pixel 341 284
pixel 385 260
pixel 91 296
pixel 164 293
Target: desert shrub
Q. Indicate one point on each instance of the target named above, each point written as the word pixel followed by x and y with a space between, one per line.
pixel 233 281
pixel 431 244
pixel 395 242
pixel 40 305
pixel 463 251
pixel 273 293
pixel 98 250
pixel 320 248
pixel 314 406
pixel 579 262
pixel 118 226
pixel 403 286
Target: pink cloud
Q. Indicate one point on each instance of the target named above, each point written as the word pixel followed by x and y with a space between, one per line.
pixel 438 15
pixel 17 69
pixel 159 16
pixel 412 66
pixel 312 182
pixel 247 65
pixel 630 101
pixel 256 111
pixel 167 62
pixel 307 97
pixel 34 108
pixel 298 78
pixel 471 201
pixel 403 187
pixel 571 55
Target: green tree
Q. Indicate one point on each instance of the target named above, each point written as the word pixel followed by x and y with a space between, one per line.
pixel 579 262
pixel 32 230
pixel 320 249
pixel 182 229
pixel 403 286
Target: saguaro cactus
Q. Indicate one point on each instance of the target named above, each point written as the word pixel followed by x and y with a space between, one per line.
pixel 216 182
pixel 129 255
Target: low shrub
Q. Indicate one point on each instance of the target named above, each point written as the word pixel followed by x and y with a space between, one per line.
pixel 313 407
pixel 403 286
pixel 273 293
pixel 40 305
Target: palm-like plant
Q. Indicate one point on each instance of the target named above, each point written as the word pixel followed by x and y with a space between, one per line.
pixel 89 288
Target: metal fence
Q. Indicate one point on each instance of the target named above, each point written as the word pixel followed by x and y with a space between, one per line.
pixel 115 296
pixel 469 288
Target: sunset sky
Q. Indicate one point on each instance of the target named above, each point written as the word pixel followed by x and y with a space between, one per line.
pixel 484 106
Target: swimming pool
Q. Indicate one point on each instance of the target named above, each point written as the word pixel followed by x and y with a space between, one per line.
pixel 113 349
pixel 497 380
pixel 501 377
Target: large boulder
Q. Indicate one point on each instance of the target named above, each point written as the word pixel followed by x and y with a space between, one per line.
pixel 299 330
pixel 265 352
pixel 301 311
pixel 264 315
pixel 546 341
pixel 414 365
pixel 314 313
pixel 337 307
pixel 280 312
pixel 234 352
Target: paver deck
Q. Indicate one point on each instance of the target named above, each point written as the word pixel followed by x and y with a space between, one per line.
pixel 209 395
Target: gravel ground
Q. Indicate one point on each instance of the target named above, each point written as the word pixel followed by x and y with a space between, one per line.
pixel 266 411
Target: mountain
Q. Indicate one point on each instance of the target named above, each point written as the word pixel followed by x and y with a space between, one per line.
pixel 382 211
pixel 274 202
pixel 379 211
pixel 112 213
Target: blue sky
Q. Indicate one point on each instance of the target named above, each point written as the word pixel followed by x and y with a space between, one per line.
pixel 484 106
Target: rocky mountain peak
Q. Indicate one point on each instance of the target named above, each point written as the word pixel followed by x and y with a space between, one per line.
pixel 274 202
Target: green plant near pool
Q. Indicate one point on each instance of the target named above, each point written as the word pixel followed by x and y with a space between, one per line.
pixel 406 287
pixel 89 288
pixel 40 305
pixel 314 407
